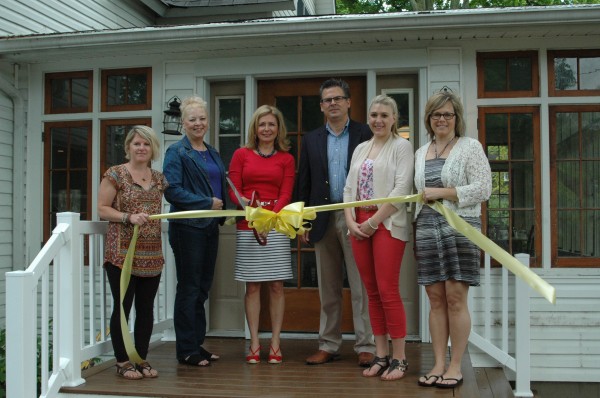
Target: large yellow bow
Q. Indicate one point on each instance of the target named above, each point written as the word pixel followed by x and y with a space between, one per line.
pixel 288 221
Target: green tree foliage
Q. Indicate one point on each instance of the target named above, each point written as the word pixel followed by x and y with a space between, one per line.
pixel 380 6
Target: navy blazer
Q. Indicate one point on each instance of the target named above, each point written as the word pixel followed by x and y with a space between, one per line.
pixel 189 183
pixel 313 171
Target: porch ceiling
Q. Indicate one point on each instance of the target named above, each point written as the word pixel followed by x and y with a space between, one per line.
pixel 311 35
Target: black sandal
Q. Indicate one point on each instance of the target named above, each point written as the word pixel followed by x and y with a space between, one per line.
pixel 396 364
pixel 208 355
pixel 122 370
pixel 194 360
pixel 383 364
pixel 146 370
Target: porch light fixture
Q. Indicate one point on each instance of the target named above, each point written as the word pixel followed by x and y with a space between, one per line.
pixel 172 118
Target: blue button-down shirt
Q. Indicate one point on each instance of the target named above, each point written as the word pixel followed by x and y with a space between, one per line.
pixel 337 154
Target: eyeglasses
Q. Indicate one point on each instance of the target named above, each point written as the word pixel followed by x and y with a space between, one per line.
pixel 447 116
pixel 331 100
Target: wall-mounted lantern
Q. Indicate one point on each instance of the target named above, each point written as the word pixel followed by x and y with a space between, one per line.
pixel 172 118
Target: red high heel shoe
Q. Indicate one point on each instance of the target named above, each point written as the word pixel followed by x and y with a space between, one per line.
pixel 275 357
pixel 254 356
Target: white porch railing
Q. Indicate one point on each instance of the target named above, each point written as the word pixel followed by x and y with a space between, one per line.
pixel 63 300
pixel 520 362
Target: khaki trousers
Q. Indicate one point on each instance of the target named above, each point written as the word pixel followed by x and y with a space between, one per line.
pixel 332 251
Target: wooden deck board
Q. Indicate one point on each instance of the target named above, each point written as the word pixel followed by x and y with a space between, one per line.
pixel 232 377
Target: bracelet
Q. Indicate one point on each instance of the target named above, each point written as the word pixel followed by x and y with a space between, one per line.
pixel 369 222
pixel 125 218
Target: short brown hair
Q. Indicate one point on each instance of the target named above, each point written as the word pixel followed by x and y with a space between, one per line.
pixel 436 101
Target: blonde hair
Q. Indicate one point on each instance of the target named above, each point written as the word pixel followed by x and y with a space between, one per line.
pixel 281 143
pixel 390 102
pixel 436 101
pixel 147 134
pixel 192 102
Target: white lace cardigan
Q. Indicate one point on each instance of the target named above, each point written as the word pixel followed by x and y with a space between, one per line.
pixel 467 169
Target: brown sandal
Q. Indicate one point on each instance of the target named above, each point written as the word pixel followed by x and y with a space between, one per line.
pixel 127 370
pixel 147 370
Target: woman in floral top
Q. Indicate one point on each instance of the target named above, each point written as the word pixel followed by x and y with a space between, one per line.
pixel 128 194
pixel 381 167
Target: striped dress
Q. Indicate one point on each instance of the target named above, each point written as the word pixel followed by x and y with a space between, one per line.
pixel 443 253
pixel 256 263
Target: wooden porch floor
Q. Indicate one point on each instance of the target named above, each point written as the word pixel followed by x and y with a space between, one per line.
pixel 232 377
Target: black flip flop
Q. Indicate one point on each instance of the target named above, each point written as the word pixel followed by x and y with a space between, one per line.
pixel 208 355
pixel 443 385
pixel 427 377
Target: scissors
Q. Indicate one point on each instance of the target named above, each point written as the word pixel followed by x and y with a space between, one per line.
pixel 254 202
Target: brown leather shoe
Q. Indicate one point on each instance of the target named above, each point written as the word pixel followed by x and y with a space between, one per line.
pixel 365 359
pixel 321 357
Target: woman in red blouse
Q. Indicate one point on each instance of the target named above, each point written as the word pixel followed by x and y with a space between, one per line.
pixel 263 166
pixel 128 194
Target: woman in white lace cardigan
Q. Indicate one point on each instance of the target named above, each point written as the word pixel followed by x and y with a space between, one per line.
pixel 453 169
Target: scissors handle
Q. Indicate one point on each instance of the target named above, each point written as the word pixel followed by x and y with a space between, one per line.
pixel 255 202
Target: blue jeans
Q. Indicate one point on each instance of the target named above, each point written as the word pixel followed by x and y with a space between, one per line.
pixel 195 251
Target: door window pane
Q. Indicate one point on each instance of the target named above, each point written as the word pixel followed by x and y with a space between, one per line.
pixel 312 117
pixel 289 108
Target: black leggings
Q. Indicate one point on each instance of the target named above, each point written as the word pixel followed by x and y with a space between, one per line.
pixel 144 290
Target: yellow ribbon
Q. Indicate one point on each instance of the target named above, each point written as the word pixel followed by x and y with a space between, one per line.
pixel 124 283
pixel 487 245
pixel 291 221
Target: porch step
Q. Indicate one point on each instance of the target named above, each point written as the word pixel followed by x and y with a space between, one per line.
pixel 232 377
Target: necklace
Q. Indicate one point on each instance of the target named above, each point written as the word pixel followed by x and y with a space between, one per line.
pixel 443 150
pixel 203 155
pixel 266 156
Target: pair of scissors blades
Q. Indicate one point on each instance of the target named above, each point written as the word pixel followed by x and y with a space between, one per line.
pixel 254 202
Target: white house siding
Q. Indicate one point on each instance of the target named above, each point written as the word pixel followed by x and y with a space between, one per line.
pixel 6 194
pixel 444 69
pixel 20 17
pixel 565 342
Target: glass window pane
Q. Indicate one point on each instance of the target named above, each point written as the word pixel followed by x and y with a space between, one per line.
pixel 227 146
pixel 312 117
pixel 78 191
pixel 522 185
pixel 568 232
pixel 58 145
pixel 591 184
pixel 230 115
pixel 136 89
pixel 293 139
pixel 565 73
pixel 519 70
pixel 521 136
pixel 309 269
pixel 589 73
pixel 498 226
pixel 60 93
pixel 494 72
pixel 496 130
pixel 289 108
pixel 591 231
pixel 58 197
pixel 567 184
pixel 116 89
pixel 590 134
pixel 522 232
pixel 115 145
pixel 80 95
pixel 567 135
pixel 78 148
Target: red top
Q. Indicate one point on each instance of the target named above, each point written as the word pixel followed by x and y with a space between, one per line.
pixel 272 178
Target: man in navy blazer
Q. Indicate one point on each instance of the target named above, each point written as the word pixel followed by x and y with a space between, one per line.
pixel 324 161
